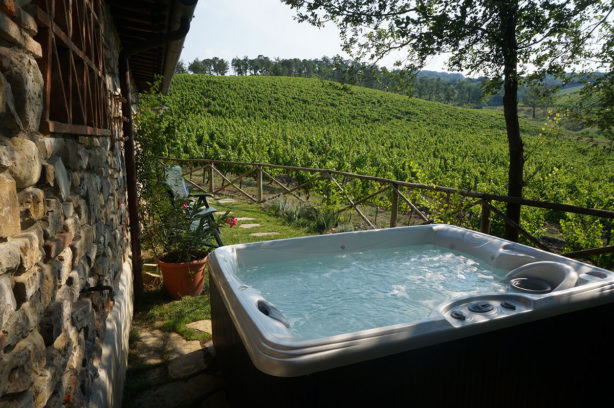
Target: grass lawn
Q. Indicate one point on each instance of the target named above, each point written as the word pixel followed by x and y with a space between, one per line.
pixel 268 223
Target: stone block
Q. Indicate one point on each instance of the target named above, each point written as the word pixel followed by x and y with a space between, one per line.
pixel 26 21
pixel 22 363
pixel 75 178
pixel 45 382
pixel 66 294
pixel 55 401
pixel 9 119
pixel 49 146
pixel 7 158
pixel 68 208
pixel 54 218
pixel 29 246
pixel 16 371
pixel 65 258
pixel 48 175
pixel 15 328
pixel 82 269
pixel 32 205
pixel 74 281
pixel 33 307
pixel 82 313
pixel 9 207
pixel 58 244
pixel 71 390
pixel 34 342
pixel 81 210
pixel 51 323
pixel 72 225
pixel 62 182
pixel 83 156
pixel 10 257
pixel 49 273
pixel 76 246
pixel 91 254
pixel 27 284
pixel 7 300
pixel 101 266
pixel 26 166
pixel 21 71
pixel 22 400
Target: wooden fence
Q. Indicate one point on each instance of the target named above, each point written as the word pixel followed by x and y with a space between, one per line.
pixel 485 200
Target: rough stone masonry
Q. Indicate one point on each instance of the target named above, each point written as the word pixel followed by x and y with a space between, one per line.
pixel 63 229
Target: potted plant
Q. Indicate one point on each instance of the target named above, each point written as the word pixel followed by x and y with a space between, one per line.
pixel 181 239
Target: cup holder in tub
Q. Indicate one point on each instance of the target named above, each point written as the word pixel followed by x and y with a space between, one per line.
pixel 531 285
pixel 542 277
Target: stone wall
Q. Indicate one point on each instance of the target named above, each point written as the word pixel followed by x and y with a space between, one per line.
pixel 63 231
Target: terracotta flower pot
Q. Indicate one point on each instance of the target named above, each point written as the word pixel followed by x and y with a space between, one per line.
pixel 183 278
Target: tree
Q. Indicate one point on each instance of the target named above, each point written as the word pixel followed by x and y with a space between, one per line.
pixel 180 68
pixel 596 105
pixel 498 38
pixel 219 66
pixel 537 95
pixel 197 67
pixel 240 65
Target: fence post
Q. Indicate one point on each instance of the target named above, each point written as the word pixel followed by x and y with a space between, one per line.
pixel 211 177
pixel 394 206
pixel 204 175
pixel 485 220
pixel 260 195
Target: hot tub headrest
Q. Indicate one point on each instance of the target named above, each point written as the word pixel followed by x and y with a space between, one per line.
pixel 557 275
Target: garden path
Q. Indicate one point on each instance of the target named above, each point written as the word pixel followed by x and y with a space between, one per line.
pixel 176 372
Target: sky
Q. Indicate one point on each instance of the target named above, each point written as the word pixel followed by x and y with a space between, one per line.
pixel 238 28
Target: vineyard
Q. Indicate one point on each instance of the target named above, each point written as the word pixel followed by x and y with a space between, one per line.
pixel 320 124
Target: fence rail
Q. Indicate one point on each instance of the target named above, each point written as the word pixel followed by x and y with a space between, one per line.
pixel 485 200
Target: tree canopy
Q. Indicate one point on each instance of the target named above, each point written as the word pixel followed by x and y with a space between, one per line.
pixel 500 39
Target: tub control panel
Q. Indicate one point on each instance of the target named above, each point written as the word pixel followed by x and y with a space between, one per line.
pixel 482 309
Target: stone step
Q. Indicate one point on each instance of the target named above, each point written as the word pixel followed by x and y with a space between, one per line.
pixel 246 226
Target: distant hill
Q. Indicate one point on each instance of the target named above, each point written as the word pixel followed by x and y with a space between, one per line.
pixel 444 75
pixel 315 123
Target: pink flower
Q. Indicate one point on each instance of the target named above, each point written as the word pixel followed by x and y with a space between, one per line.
pixel 185 206
pixel 232 221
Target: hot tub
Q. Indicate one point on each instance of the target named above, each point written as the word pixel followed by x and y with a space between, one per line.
pixel 443 316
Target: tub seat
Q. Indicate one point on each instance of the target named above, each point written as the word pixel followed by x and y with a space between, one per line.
pixel 542 277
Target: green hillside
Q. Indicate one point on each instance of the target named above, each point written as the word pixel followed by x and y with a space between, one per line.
pixel 315 123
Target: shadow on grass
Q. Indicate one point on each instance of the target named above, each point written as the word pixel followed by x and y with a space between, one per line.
pixel 158 310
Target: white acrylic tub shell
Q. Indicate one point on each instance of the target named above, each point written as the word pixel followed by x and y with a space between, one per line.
pixel 275 351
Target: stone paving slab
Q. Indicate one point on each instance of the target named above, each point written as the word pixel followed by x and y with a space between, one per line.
pixel 150 347
pixel 248 225
pixel 177 346
pixel 201 325
pixel 187 365
pixel 263 234
pixel 245 219
pixel 226 200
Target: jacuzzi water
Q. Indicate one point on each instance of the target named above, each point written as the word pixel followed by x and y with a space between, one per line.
pixel 343 293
